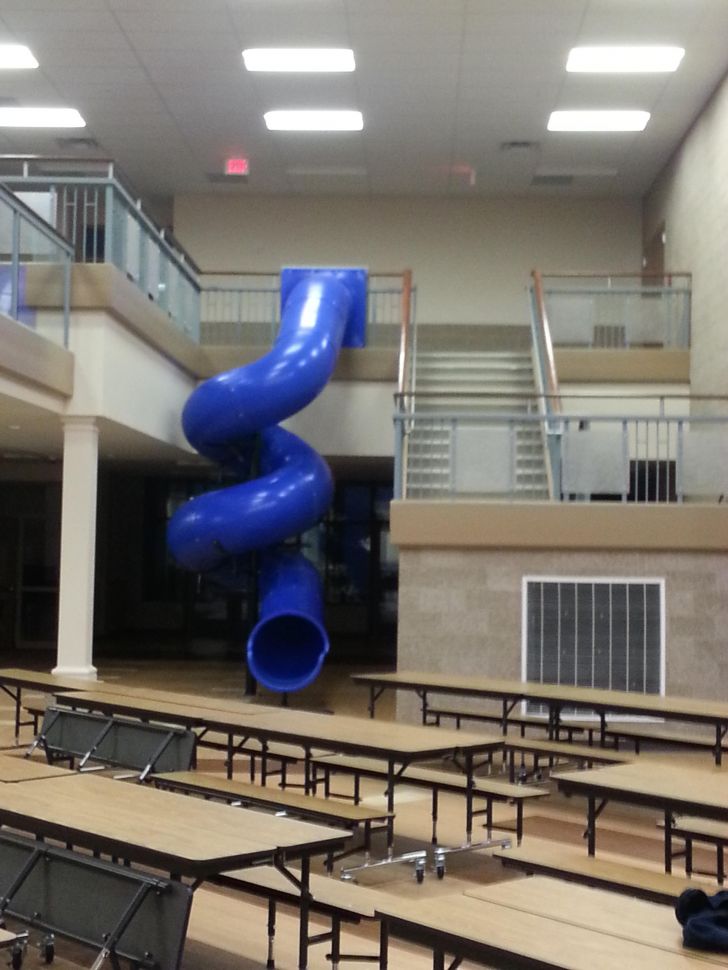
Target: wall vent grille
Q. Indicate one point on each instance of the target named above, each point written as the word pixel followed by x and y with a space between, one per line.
pixel 594 632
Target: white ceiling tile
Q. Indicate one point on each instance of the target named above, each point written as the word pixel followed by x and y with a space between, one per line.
pixel 439 81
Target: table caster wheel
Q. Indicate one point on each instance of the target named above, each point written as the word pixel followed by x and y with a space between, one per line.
pixel 16 958
pixel 48 951
pixel 440 871
pixel 419 875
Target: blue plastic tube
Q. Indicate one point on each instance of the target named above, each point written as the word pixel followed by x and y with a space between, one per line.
pixel 288 645
pixel 227 419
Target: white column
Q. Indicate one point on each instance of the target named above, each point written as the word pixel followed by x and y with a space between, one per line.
pixel 78 548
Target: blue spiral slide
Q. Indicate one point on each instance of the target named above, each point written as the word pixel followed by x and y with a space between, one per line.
pixel 232 419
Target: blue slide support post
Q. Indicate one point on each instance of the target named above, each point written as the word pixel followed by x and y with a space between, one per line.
pixel 232 419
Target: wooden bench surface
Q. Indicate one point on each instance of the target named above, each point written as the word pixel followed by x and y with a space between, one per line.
pixel 583 752
pixel 507 937
pixel 305 804
pixel 596 909
pixel 15 768
pixel 656 732
pixel 7 938
pixel 331 894
pixel 432 777
pixel 656 783
pixel 692 825
pixel 513 720
pixel 548 858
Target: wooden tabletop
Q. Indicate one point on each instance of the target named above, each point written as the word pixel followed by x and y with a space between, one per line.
pixel 627 702
pixel 702 792
pixel 196 701
pixel 511 938
pixel 334 732
pixel 187 715
pixel 16 677
pixel 597 909
pixel 14 768
pixel 175 833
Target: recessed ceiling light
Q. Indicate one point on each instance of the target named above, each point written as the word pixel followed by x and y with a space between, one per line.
pixel 16 57
pixel 40 118
pixel 624 60
pixel 314 120
pixel 299 59
pixel 598 120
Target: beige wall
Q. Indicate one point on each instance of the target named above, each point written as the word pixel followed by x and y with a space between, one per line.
pixel 691 198
pixel 460 610
pixel 471 258
pixel 461 568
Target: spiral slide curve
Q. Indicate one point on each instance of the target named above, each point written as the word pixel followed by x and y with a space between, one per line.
pixel 232 419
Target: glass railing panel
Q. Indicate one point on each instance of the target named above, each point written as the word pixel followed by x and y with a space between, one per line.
pixel 34 271
pixel 8 273
pixel 43 270
pixel 244 309
pixel 615 312
pixel 658 458
pixel 704 461
pixel 103 222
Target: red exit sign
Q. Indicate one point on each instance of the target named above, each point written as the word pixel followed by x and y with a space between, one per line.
pixel 237 166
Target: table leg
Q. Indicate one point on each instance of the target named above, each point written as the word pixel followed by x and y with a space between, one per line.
pixel 668 841
pixel 390 808
pixel 383 944
pixel 307 781
pixel 271 962
pixel 230 756
pixel 469 797
pixel 305 905
pixel 14 695
pixel 423 705
pixel 17 713
pixel 591 825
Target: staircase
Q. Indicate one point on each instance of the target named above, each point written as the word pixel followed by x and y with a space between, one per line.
pixel 448 382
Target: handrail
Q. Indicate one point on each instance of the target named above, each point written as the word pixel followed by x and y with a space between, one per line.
pixel 35 220
pixel 552 381
pixel 112 177
pixel 276 272
pixel 609 276
pixel 520 395
pixel 405 343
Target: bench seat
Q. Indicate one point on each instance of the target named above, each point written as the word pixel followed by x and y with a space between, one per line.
pixel 572 864
pixel 583 754
pixel 691 829
pixel 341 902
pixel 656 733
pixel 520 721
pixel 435 781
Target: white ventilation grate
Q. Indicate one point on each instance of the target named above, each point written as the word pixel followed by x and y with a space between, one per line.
pixel 594 632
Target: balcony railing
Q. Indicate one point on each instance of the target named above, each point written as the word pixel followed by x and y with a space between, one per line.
pixel 616 311
pixel 244 308
pixel 88 203
pixel 642 449
pixel 33 258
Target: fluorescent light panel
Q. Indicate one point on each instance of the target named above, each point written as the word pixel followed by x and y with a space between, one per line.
pixel 16 57
pixel 40 118
pixel 624 60
pixel 598 120
pixel 314 120
pixel 299 60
